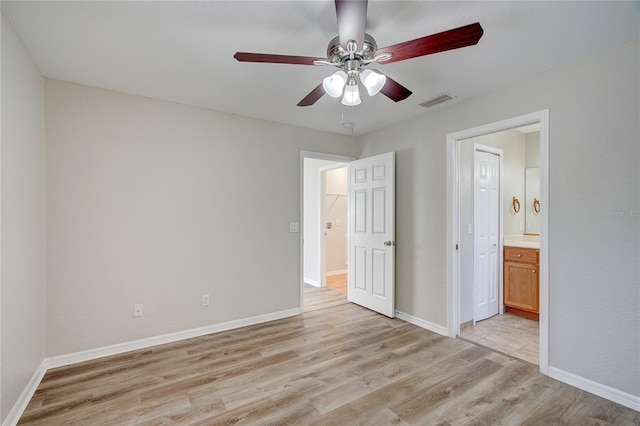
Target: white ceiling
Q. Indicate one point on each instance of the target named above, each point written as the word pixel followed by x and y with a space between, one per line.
pixel 183 51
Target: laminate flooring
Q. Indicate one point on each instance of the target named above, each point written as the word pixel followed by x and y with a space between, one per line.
pixel 507 333
pixel 343 365
pixel 321 297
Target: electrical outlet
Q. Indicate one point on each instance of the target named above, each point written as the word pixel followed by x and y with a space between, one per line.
pixel 205 300
pixel 137 310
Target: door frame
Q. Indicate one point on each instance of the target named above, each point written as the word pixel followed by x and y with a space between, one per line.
pixel 500 153
pixel 318 156
pixel 453 226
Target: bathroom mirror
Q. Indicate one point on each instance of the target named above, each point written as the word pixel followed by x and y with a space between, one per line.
pixel 532 206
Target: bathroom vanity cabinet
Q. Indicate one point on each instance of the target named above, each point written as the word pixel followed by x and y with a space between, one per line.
pixel 521 281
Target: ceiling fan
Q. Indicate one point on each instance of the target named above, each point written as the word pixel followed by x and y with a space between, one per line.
pixel 353 51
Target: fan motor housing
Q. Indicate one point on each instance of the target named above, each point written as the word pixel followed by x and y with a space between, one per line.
pixel 336 53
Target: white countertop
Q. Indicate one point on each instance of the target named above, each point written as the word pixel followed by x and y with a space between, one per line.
pixel 523 241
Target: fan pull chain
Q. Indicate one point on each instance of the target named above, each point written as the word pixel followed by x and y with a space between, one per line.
pixel 353 118
pixel 348 124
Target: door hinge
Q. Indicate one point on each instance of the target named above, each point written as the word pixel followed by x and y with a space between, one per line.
pixel 456 247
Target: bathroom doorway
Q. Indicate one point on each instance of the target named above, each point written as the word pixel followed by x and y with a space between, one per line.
pixel 513 335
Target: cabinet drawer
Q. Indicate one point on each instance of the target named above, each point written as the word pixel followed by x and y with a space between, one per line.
pixel 517 254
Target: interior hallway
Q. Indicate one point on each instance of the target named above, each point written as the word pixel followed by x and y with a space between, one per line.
pixel 337 283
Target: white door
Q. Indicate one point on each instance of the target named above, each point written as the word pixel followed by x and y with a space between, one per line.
pixel 486 215
pixel 371 268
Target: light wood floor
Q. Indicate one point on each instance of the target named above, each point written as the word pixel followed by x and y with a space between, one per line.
pixel 337 283
pixel 320 298
pixel 507 333
pixel 337 366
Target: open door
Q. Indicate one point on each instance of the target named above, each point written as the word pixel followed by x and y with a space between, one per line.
pixel 372 233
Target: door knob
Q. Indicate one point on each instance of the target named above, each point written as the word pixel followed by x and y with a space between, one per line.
pixel 389 243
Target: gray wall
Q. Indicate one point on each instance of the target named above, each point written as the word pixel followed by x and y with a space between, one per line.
pixel 22 219
pixel 158 203
pixel 593 209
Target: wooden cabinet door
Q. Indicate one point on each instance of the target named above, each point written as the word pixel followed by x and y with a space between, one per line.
pixel 521 285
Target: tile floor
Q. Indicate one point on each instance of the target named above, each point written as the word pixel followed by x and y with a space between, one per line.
pixel 507 333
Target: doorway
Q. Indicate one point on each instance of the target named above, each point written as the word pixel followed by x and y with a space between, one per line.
pixel 460 268
pixel 371 230
pixel 324 233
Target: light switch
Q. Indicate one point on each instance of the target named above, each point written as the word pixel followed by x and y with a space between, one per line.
pixel 293 227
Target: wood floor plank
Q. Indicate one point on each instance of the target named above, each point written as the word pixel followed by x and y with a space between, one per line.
pixel 341 365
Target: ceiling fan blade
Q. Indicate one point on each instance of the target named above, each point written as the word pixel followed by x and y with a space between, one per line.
pixel 352 20
pixel 394 90
pixel 446 40
pixel 313 96
pixel 276 59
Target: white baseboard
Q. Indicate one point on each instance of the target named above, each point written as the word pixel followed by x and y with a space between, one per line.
pixel 337 272
pixel 23 400
pixel 90 354
pixel 604 391
pixel 422 323
pixel 311 282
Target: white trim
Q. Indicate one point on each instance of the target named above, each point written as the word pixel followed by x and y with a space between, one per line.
pixel 311 282
pixel 422 323
pixel 90 354
pixel 23 400
pixel 453 298
pixel 338 272
pixel 604 391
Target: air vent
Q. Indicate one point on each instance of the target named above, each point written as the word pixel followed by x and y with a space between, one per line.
pixel 437 100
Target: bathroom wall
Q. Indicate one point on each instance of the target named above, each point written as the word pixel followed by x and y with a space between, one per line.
pixel 532 146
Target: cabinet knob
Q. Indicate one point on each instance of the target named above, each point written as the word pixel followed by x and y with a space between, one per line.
pixel 519 255
pixel 533 271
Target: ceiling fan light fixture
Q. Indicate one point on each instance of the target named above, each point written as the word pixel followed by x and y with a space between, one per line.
pixel 334 84
pixel 373 81
pixel 351 95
